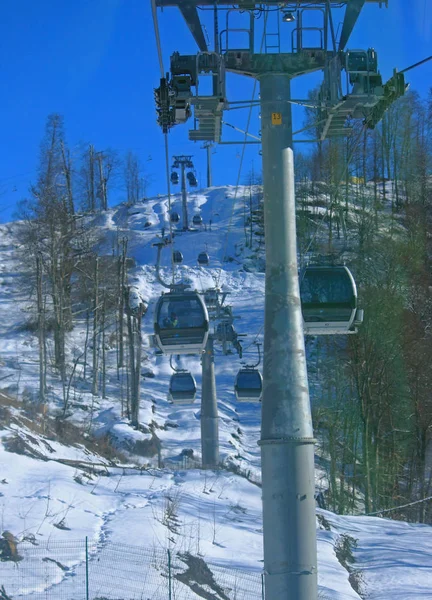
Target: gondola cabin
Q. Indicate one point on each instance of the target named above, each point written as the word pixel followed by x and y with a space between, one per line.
pixel 197 220
pixel 177 257
pixel 248 385
pixel 174 178
pixel 203 258
pixel 182 388
pixel 181 323
pixel 175 217
pixel 192 179
pixel 329 301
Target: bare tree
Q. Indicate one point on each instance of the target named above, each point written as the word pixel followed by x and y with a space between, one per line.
pixel 41 329
pixel 49 230
pixel 88 178
pixel 107 167
pixel 96 174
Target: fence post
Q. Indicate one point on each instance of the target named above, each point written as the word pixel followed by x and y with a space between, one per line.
pixel 87 569
pixel 262 586
pixel 169 576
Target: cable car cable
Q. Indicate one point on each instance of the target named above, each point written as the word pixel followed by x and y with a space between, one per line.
pixel 247 103
pixel 157 35
pixel 161 66
pixel 254 340
pixel 169 203
pixel 246 133
pixel 421 62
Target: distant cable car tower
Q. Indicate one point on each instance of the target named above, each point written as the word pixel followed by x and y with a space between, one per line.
pixel 184 162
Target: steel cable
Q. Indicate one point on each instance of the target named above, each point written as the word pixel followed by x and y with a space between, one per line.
pixel 167 162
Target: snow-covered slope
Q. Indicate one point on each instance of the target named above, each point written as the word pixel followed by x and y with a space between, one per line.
pixel 52 490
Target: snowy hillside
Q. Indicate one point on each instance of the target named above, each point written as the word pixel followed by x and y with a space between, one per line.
pixel 94 476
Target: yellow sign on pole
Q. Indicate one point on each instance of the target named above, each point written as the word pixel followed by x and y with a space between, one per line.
pixel 276 118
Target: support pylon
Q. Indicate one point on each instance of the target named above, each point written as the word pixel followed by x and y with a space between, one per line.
pixel 184 198
pixel 287 444
pixel 209 411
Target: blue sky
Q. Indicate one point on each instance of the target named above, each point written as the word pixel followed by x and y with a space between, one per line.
pixel 95 62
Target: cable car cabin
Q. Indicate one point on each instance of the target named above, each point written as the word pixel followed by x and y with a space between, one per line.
pixel 182 388
pixel 197 220
pixel 181 323
pixel 192 179
pixel 203 258
pixel 329 301
pixel 177 257
pixel 174 178
pixel 175 217
pixel 248 385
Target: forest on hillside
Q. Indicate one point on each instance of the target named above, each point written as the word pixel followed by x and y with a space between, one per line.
pixel 373 408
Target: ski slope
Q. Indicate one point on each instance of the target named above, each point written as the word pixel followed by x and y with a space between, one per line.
pixel 218 514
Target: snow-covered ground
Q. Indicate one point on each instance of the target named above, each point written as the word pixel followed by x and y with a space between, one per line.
pixel 47 496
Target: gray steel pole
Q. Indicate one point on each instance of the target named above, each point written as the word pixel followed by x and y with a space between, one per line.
pixel 184 197
pixel 209 173
pixel 209 411
pixel 287 444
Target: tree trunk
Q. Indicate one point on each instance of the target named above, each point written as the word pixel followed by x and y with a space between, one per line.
pixel 366 464
pixel 131 357
pixel 41 331
pixel 59 334
pixel 95 328
pixel 103 348
pixel 102 182
pixel 68 177
pixel 122 276
pixel 134 318
pixel 91 183
pixel 137 391
pixel 86 343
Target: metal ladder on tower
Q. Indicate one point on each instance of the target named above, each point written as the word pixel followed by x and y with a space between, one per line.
pixel 272 45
